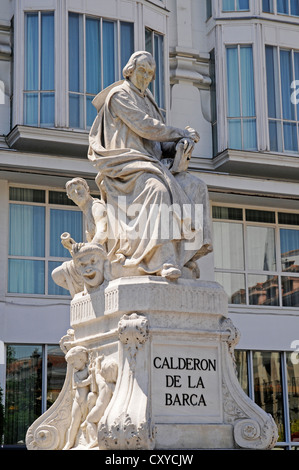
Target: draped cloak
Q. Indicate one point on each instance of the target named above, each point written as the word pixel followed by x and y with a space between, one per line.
pixel 128 143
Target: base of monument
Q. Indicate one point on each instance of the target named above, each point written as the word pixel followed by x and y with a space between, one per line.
pixel 176 385
pixel 198 436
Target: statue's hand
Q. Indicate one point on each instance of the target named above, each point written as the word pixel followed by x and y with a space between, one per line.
pixel 183 152
pixel 185 146
pixel 193 134
pixel 76 247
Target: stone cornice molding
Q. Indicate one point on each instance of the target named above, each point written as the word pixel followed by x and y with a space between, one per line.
pixel 188 65
pixel 5 41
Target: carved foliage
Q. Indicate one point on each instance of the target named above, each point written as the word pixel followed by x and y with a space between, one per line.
pixel 123 434
pixel 253 427
pixel 127 424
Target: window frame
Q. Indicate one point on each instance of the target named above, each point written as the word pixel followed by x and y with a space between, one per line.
pixel 236 9
pixel 241 117
pixel 246 271
pixel 162 90
pixel 276 49
pixel 39 91
pixel 117 63
pixel 213 102
pixel 45 356
pixel 209 9
pixel 287 444
pixel 274 10
pixel 47 258
pixel 152 14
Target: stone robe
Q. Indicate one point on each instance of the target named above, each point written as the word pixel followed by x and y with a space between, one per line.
pixel 128 144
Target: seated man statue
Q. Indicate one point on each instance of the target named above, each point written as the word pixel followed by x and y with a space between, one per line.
pixel 157 213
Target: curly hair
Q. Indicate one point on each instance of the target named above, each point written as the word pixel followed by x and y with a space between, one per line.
pixel 75 352
pixel 131 64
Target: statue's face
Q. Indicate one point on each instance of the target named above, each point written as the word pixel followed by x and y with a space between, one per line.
pixel 77 192
pixel 80 361
pixel 143 74
pixel 91 266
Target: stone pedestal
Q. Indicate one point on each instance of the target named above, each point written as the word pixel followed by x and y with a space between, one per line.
pixel 176 386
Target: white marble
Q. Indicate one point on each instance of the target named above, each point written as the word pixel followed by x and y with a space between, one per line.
pixel 150 352
pixel 152 217
pixel 176 363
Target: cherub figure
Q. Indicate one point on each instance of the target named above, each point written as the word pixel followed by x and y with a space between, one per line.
pixel 77 357
pixel 105 376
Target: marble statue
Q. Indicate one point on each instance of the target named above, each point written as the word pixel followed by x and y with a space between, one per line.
pixel 105 375
pixel 134 152
pixel 94 210
pixel 78 358
pixel 93 383
pixel 90 260
pixel 150 353
pixel 68 275
pixel 152 216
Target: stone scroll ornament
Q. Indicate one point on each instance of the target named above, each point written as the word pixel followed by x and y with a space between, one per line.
pixel 253 428
pixel 72 421
pixel 126 425
pixel 49 430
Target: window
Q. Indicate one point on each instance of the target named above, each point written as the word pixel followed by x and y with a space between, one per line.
pixel 282 7
pixel 271 379
pixel 240 98
pixel 213 103
pixel 154 43
pixel 209 8
pixel 268 6
pixel 98 51
pixel 37 219
pixel 235 5
pixel 282 69
pixel 39 88
pixel 256 256
pixel 34 377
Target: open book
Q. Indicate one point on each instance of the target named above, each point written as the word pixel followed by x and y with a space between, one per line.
pixel 182 158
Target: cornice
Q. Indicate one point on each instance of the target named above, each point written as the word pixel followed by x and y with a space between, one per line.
pixel 50 141
pixel 189 65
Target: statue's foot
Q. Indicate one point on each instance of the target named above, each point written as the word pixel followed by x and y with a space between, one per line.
pixel 171 272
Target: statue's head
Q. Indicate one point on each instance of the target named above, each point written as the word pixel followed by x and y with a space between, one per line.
pixel 78 190
pixel 91 261
pixel 140 69
pixel 77 357
pixel 109 370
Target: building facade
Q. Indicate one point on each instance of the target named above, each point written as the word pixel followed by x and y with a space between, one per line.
pixel 228 68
